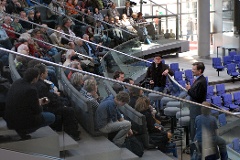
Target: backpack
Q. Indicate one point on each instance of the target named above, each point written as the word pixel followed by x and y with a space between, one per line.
pixel 134 145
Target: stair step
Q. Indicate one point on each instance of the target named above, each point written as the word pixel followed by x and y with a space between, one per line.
pixel 66 142
pixel 128 155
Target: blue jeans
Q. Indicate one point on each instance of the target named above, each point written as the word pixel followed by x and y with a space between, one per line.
pixel 157 103
pixel 49 118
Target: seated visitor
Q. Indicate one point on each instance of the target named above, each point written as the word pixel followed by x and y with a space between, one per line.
pixel 77 80
pixel 157 135
pixel 24 110
pixel 58 105
pixel 109 119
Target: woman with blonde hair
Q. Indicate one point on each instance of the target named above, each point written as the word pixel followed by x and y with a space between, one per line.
pixel 157 135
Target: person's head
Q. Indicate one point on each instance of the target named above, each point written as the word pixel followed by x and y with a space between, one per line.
pixel 139 14
pixel 204 110
pixel 171 31
pixel 31 75
pixel 76 79
pixel 122 98
pixel 86 37
pixel 7 20
pixel 198 68
pixel 116 19
pixel 67 22
pixel 127 4
pixel 79 42
pixel 86 77
pixel 16 19
pixel 113 6
pixel 142 104
pixel 167 30
pixel 133 91
pixel 36 33
pixel 70 53
pixel 90 85
pixel 96 10
pixel 128 80
pixel 119 75
pixel 43 72
pixel 124 16
pixel 117 87
pixel 37 14
pixel 44 28
pixel 31 14
pixel 157 59
pixel 106 19
pixel 23 14
pixel 134 15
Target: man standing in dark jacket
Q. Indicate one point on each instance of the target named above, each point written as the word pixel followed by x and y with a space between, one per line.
pixel 197 93
pixel 24 108
pixel 157 74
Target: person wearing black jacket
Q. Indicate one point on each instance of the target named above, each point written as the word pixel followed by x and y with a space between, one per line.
pixel 64 114
pixel 157 74
pixel 197 93
pixel 128 10
pixel 24 110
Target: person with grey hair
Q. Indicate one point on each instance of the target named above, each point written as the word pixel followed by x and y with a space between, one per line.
pixel 109 119
pixel 7 25
pixel 68 56
pixel 77 80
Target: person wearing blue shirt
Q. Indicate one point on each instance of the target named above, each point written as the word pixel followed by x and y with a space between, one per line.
pixel 109 118
pixel 206 133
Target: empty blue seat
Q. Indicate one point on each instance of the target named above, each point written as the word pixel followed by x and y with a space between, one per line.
pixel 235 145
pixel 210 92
pixel 222 119
pixel 227 101
pixel 174 67
pixel 236 98
pixel 236 59
pixel 217 64
pixel 227 60
pixel 231 70
pixel 217 100
pixel 232 54
pixel 178 76
pixel 220 88
pixel 188 75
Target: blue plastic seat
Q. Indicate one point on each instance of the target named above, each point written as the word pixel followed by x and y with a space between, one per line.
pixel 178 76
pixel 231 70
pixel 174 67
pixel 210 92
pixel 236 98
pixel 227 101
pixel 232 54
pixel 188 75
pixel 217 100
pixel 222 119
pixel 217 64
pixel 227 60
pixel 220 88
pixel 236 59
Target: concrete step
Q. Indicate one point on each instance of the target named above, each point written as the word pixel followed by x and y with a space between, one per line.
pixel 66 142
pixel 8 155
pixel 44 141
pixel 128 155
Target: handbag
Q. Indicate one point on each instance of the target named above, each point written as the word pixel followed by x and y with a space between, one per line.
pixel 134 145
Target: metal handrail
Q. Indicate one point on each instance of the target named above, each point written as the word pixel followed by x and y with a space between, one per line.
pixel 140 59
pixel 237 114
